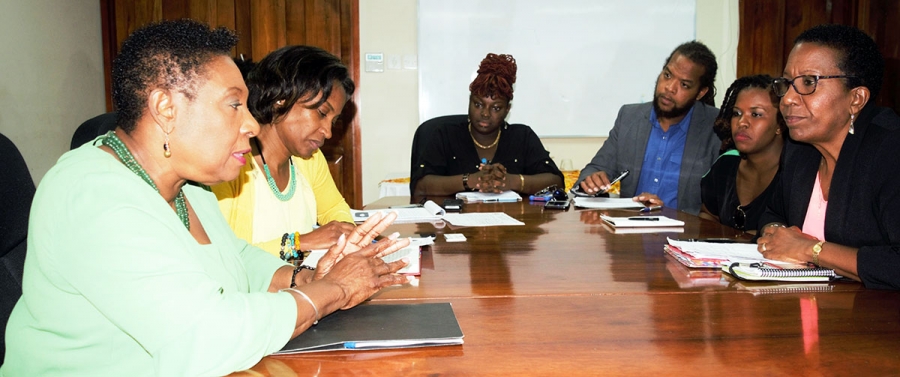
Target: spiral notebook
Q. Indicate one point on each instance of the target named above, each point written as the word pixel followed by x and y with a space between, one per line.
pixel 761 272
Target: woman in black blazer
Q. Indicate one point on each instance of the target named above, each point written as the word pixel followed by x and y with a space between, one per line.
pixel 838 203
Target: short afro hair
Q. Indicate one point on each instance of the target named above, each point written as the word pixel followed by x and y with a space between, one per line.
pixel 857 54
pixel 294 74
pixel 169 55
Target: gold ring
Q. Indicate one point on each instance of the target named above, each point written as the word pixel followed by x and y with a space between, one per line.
pixel 764 246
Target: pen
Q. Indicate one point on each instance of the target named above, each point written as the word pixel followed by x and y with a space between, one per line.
pixel 644 218
pixel 619 178
pixel 653 208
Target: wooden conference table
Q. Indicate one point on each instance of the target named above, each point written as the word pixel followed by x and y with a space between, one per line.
pixel 564 295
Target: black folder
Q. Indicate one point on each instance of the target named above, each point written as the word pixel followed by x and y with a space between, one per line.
pixel 371 326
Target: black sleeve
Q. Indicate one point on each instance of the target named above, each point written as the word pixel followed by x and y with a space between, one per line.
pixel 537 157
pixel 709 189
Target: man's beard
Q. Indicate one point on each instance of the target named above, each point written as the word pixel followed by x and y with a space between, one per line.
pixel 675 112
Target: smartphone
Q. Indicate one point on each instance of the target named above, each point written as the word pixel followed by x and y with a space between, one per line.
pixel 453 205
pixel 557 204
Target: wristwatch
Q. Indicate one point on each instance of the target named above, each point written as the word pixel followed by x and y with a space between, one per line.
pixel 466 182
pixel 817 248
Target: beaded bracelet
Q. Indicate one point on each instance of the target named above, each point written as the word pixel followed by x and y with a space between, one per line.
pixel 309 300
pixel 292 241
pixel 296 270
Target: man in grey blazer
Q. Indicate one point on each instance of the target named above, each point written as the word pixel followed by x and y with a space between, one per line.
pixel 668 144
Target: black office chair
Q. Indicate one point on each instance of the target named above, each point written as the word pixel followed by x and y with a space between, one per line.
pixel 16 194
pixel 420 143
pixel 91 128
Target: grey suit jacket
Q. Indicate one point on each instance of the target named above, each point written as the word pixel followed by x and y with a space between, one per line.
pixel 627 143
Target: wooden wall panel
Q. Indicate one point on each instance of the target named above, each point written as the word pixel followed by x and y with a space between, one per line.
pixel 768 29
pixel 295 32
pixel 761 34
pixel 264 26
pixel 267 23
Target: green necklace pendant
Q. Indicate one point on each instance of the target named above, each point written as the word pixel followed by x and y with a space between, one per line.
pixel 113 142
pixel 292 186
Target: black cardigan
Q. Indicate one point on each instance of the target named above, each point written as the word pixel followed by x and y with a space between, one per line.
pixel 864 199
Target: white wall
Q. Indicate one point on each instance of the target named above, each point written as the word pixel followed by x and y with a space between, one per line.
pixel 52 75
pixel 389 100
pixel 53 80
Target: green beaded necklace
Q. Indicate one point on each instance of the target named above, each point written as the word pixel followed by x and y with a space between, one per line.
pixel 113 142
pixel 291 187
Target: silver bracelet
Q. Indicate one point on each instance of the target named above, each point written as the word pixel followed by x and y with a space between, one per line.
pixel 309 300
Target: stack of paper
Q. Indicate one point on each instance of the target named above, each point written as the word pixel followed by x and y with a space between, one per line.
pixel 484 197
pixel 411 252
pixel 429 212
pixel 606 203
pixel 641 221
pixel 713 255
pixel 481 219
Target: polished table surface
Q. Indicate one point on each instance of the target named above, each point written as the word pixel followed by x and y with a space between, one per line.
pixel 566 295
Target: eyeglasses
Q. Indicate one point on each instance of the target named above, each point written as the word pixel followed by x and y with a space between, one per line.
pixel 740 218
pixel 806 86
pixel 554 191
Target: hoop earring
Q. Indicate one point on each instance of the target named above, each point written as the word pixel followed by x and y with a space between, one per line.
pixel 166 151
pixel 851 123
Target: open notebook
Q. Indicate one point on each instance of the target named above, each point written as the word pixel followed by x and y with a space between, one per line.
pixel 373 326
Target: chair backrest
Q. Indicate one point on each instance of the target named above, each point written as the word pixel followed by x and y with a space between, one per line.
pixel 91 128
pixel 420 142
pixel 16 193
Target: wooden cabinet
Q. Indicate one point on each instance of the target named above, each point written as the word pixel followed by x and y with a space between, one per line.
pixel 769 27
pixel 264 26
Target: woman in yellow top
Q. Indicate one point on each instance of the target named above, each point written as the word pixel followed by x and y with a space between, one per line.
pixel 297 94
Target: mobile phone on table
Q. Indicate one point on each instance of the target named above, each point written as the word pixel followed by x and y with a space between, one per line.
pixel 557 204
pixel 453 205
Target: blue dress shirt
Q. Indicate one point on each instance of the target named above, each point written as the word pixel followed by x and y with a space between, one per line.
pixel 662 159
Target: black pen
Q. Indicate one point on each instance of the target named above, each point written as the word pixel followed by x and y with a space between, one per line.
pixel 644 218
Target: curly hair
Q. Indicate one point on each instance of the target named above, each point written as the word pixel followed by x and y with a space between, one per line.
pixel 698 53
pixel 294 74
pixel 168 55
pixel 857 54
pixel 722 124
pixel 496 76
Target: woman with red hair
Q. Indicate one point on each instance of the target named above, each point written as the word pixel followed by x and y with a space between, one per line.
pixel 484 153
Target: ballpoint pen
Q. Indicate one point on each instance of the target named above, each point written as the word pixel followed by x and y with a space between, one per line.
pixel 651 208
pixel 619 178
pixel 644 218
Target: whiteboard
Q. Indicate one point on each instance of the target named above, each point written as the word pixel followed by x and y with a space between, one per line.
pixel 578 61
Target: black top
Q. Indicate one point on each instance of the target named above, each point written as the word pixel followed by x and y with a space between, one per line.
pixel 16 194
pixel 718 190
pixel 450 151
pixel 864 198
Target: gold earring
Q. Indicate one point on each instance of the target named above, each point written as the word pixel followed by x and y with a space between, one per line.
pixel 166 151
pixel 851 123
